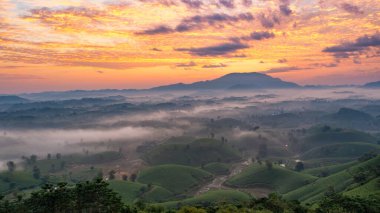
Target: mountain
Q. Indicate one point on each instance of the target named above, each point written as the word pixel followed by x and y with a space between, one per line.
pixel 234 81
pixel 375 84
pixel 12 99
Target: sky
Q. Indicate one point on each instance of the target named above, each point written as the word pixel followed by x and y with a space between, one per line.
pixel 95 44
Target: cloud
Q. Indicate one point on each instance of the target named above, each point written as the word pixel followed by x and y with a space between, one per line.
pixel 361 44
pixel 221 65
pixel 285 10
pixel 353 9
pixel 282 69
pixel 227 3
pixel 80 18
pixel 190 64
pixel 324 64
pixel 156 49
pixel 247 3
pixel 7 76
pixel 259 35
pixel 217 50
pixel 162 29
pixel 192 3
pixel 199 22
pixel 269 20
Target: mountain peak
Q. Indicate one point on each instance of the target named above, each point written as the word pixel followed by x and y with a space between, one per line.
pixel 252 80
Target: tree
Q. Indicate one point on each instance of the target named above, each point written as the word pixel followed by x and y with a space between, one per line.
pixel 269 164
pixel 263 150
pixel 33 159
pixel 11 166
pixel 125 177
pixel 133 177
pixel 111 174
pixel 299 166
pixel 58 156
pixel 36 172
pixel 48 156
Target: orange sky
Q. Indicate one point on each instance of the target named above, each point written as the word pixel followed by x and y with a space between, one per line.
pixel 82 44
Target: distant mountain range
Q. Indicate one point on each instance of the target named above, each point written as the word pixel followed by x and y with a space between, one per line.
pixel 12 99
pixel 234 81
pixel 372 85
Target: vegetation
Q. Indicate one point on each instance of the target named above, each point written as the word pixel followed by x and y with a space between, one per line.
pixel 175 178
pixel 280 179
pixel 196 153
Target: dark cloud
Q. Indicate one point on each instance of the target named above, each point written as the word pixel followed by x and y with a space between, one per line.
pixel 190 64
pixel 268 20
pixel 360 44
pixel 199 22
pixel 285 10
pixel 217 50
pixel 156 49
pixel 162 29
pixel 227 3
pixel 193 3
pixel 353 9
pixel 282 69
pixel 247 3
pixel 324 65
pixel 221 65
pixel 7 77
pixel 259 35
pixel 282 60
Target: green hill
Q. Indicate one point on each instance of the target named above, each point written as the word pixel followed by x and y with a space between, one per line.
pixel 197 153
pixel 341 150
pixel 132 191
pixel 17 180
pixel 329 170
pixel 340 181
pixel 370 188
pixel 325 135
pixel 175 178
pixel 217 168
pixel 211 197
pixel 280 179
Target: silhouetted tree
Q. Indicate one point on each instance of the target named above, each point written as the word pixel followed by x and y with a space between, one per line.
pixel 11 166
pixel 299 166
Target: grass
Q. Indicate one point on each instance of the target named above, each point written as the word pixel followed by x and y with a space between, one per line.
pixel 340 181
pixel 318 136
pixel 175 178
pixel 217 168
pixel 341 150
pixel 370 188
pixel 280 179
pixel 157 194
pixel 329 170
pixel 196 153
pixel 211 197
pixel 22 180
pixel 129 191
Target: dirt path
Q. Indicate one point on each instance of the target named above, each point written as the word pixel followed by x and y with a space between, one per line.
pixel 217 183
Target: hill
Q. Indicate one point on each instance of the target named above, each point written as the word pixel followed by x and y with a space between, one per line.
pixel 12 99
pixel 196 153
pixel 347 114
pixel 211 197
pixel 348 150
pixel 324 135
pixel 280 179
pixel 329 170
pixel 375 84
pixel 175 178
pixel 252 80
pixel 347 179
